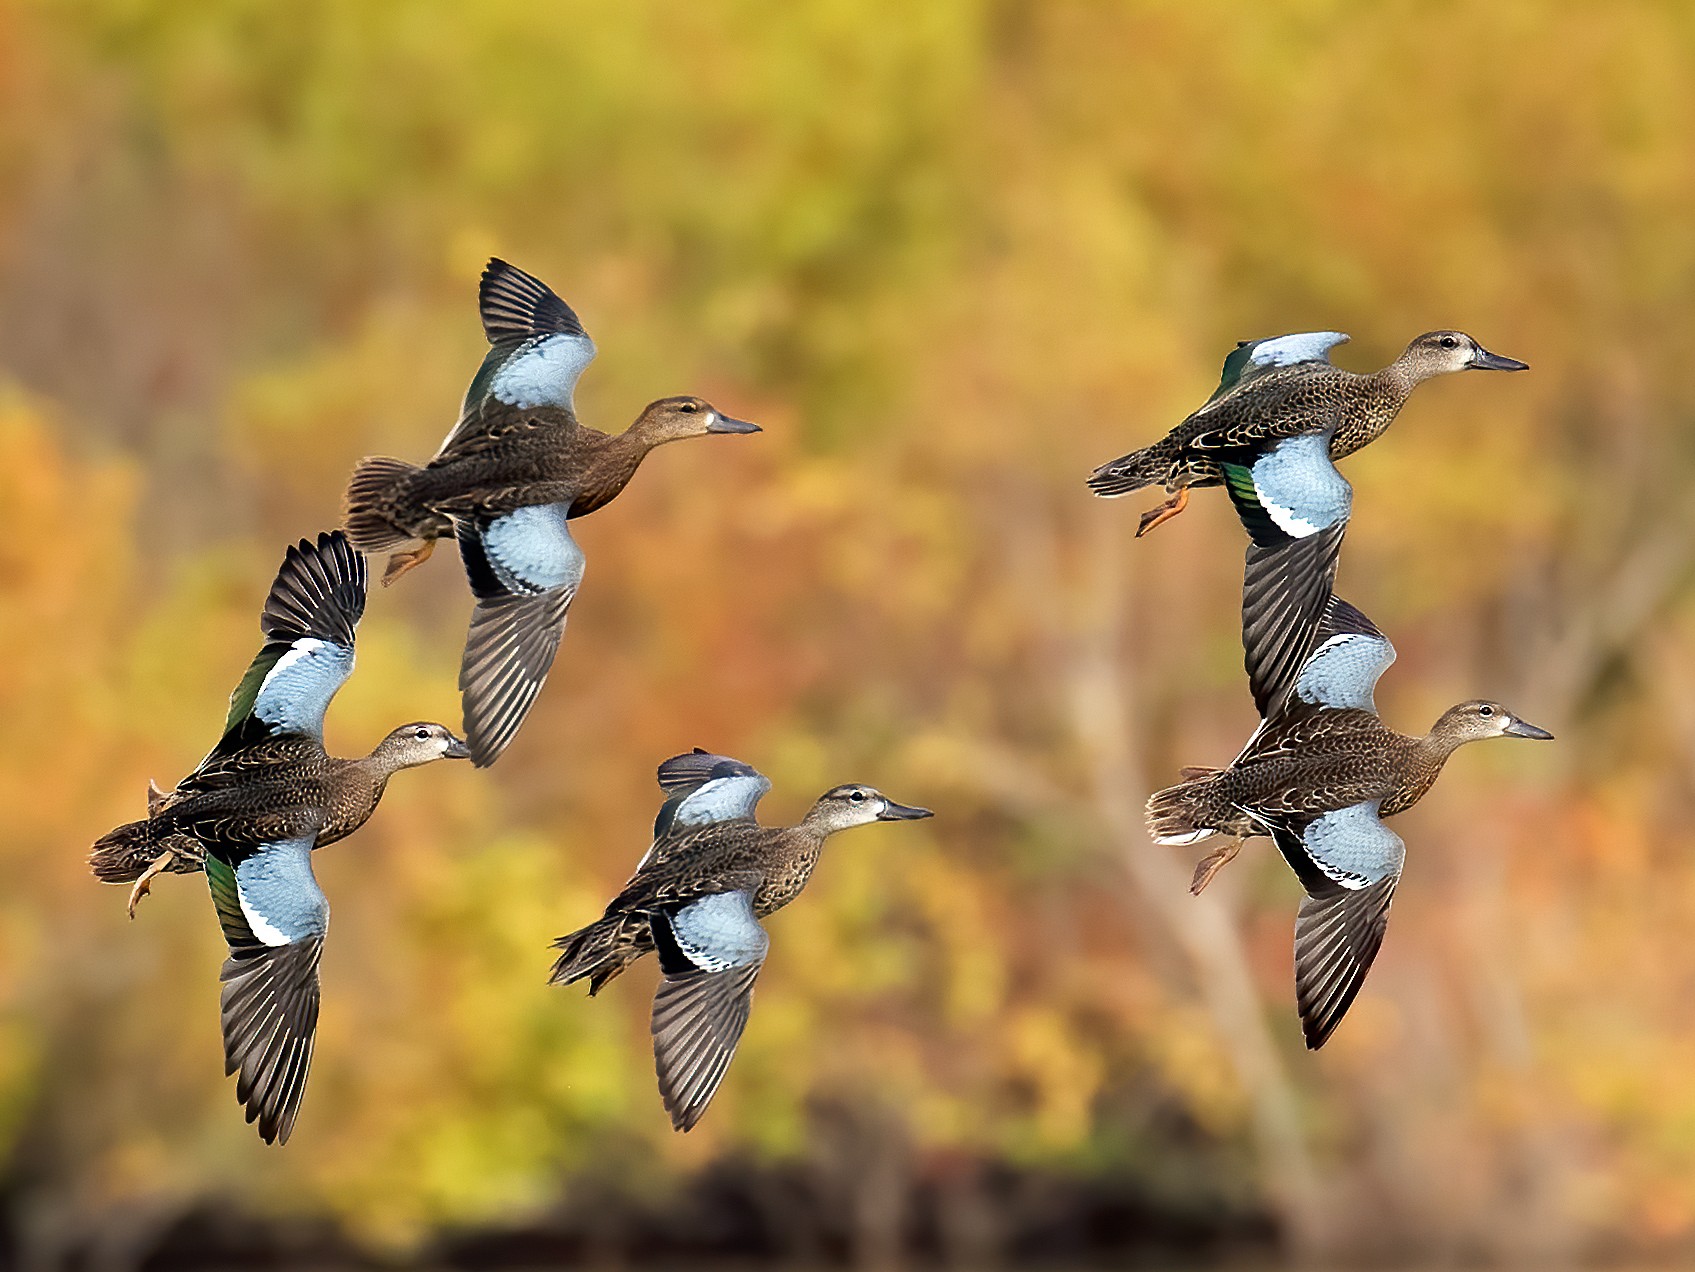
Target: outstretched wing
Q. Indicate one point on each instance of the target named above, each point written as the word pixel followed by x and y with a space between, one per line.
pixel 524 569
pixel 1253 358
pixel 1342 672
pixel 274 917
pixel 701 787
pixel 538 350
pixel 309 621
pixel 1349 862
pixel 1295 507
pixel 710 953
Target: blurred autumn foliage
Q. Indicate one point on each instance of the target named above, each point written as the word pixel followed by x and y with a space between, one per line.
pixel 951 255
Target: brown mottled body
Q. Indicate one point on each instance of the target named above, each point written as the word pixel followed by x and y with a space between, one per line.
pixel 1316 764
pixel 274 790
pixel 1305 398
pixel 541 456
pixel 773 862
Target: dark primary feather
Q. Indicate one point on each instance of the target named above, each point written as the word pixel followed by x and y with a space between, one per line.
pixel 698 1019
pixel 508 652
pixel 1337 935
pixel 269 1000
pixel 516 306
pixel 319 593
pixel 523 568
pixel 710 952
pixel 1285 591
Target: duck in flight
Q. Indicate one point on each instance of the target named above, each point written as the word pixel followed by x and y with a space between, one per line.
pixel 1281 416
pixel 696 898
pixel 506 483
pixel 253 811
pixel 1319 776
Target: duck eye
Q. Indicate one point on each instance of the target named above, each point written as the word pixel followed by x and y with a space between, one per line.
pixel 857 797
pixel 1486 711
pixel 1448 342
pixel 687 408
pixel 423 735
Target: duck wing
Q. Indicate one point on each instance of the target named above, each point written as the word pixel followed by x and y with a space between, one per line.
pixel 524 568
pixel 309 620
pixel 1295 507
pixel 701 788
pixel 538 351
pixel 710 953
pixel 1349 657
pixel 1251 359
pixel 1349 862
pixel 274 917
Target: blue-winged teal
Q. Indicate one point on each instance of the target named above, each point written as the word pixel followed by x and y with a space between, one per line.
pixel 508 479
pixel 255 808
pixel 1270 433
pixel 1319 775
pixel 712 873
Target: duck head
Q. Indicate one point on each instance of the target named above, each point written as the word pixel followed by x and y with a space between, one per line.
pixel 674 418
pixel 419 743
pixel 857 805
pixel 1473 721
pixel 1441 352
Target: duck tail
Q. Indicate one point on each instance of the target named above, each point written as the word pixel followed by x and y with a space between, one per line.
pixel 599 951
pixel 379 514
pixel 1151 466
pixel 124 855
pixel 1177 815
pixel 120 855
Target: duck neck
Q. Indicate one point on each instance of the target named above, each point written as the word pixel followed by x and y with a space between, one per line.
pixel 815 826
pixel 1421 765
pixel 612 460
pixel 377 767
pixel 1395 381
pixel 1434 748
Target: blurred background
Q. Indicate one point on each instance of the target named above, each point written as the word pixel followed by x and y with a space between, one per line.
pixel 952 256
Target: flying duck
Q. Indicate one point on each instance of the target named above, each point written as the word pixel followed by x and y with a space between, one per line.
pixel 254 809
pixel 508 479
pixel 1318 776
pixel 697 897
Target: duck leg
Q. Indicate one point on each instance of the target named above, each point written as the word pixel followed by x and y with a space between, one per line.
pixel 1165 512
pixel 400 562
pixel 1212 863
pixel 144 884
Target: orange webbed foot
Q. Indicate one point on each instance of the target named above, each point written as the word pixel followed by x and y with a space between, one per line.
pixel 1212 863
pixel 144 885
pixel 1165 512
pixel 400 562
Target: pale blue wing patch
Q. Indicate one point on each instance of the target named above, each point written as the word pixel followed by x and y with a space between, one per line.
pixel 524 568
pixel 1298 486
pixel 710 952
pixel 531 550
pixel 721 799
pixel 297 690
pixel 1302 346
pixel 543 371
pixel 278 894
pixel 718 932
pixel 1353 847
pixel 1252 358
pixel 1343 672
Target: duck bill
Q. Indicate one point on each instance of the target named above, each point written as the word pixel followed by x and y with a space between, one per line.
pixel 456 750
pixel 730 424
pixel 1520 729
pixel 1483 360
pixel 902 812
